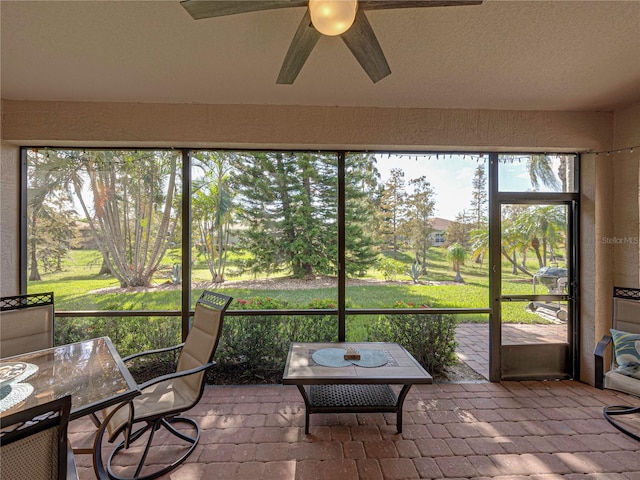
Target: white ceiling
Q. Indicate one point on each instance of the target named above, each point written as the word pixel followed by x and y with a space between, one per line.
pixel 524 55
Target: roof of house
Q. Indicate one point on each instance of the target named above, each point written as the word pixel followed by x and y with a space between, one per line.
pixel 440 224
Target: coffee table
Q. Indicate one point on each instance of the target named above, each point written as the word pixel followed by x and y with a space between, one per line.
pixel 351 388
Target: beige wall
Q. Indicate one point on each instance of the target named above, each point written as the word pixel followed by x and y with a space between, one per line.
pixel 240 126
pixel 9 218
pixel 608 183
pixel 610 229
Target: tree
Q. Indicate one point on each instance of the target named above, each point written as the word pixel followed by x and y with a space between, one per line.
pixel 479 200
pixel 361 181
pixel 460 230
pixel 543 227
pixel 129 200
pixel 50 215
pixel 457 255
pixel 284 228
pixel 288 205
pixel 479 196
pixel 419 208
pixel 213 209
pixel 540 170
pixel 480 246
pixel 392 208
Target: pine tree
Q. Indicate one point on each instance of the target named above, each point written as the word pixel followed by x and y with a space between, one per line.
pixel 479 197
pixel 360 186
pixel 417 226
pixel 289 205
pixel 392 209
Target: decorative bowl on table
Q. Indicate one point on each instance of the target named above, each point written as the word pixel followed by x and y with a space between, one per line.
pixel 11 371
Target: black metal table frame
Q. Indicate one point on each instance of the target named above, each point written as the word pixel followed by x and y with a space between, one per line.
pixel 348 392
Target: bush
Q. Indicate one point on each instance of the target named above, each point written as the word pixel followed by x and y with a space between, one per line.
pixel 251 346
pixel 313 328
pixel 128 334
pixel 255 347
pixel 430 338
pixel 391 268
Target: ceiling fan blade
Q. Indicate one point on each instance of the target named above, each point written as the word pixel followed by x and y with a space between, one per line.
pixel 218 8
pixel 365 47
pixel 389 4
pixel 301 46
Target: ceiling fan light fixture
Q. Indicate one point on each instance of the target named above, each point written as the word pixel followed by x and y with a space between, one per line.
pixel 332 17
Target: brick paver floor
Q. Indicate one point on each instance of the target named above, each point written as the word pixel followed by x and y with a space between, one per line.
pixel 514 430
pixel 473 340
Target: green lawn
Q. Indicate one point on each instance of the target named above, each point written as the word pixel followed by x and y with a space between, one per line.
pixel 79 277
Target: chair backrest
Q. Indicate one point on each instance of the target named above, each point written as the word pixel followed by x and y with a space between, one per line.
pixel 33 442
pixel 626 309
pixel 26 323
pixel 202 340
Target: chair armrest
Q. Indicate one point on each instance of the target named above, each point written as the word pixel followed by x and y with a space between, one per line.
pixel 151 352
pixel 171 376
pixel 598 354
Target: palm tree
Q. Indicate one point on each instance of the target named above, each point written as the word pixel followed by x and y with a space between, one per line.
pixel 457 255
pixel 544 227
pixel 213 206
pixel 540 170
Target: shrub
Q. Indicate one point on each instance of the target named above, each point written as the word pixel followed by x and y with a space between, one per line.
pixel 391 268
pixel 128 334
pixel 313 328
pixel 430 338
pixel 252 346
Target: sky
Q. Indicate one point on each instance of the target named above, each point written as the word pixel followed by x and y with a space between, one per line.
pixel 451 177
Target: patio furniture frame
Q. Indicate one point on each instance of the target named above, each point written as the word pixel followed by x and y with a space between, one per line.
pixel 353 389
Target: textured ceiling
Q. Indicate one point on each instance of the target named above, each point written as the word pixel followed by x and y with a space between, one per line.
pixel 524 55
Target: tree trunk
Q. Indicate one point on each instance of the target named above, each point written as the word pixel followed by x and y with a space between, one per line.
pixel 104 268
pixel 34 274
pixel 535 244
pixel 514 268
pixel 458 277
pixel 513 262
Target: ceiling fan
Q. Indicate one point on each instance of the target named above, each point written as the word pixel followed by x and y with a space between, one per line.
pixel 330 17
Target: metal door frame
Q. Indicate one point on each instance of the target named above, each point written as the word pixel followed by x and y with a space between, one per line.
pixel 551 360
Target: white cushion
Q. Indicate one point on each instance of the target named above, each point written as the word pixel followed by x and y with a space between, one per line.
pixel 622 383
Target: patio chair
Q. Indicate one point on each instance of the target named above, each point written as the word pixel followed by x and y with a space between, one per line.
pixel 624 372
pixel 33 443
pixel 164 399
pixel 26 323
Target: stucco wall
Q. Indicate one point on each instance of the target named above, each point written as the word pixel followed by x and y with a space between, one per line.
pixel 9 218
pixel 610 230
pixel 626 197
pixel 241 126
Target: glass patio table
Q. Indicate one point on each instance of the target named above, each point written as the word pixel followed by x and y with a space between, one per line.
pixel 91 371
pixel 329 383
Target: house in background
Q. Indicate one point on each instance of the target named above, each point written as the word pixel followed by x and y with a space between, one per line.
pixel 508 76
pixel 439 234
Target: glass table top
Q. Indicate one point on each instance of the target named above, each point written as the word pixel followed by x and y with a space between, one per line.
pixel 91 372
